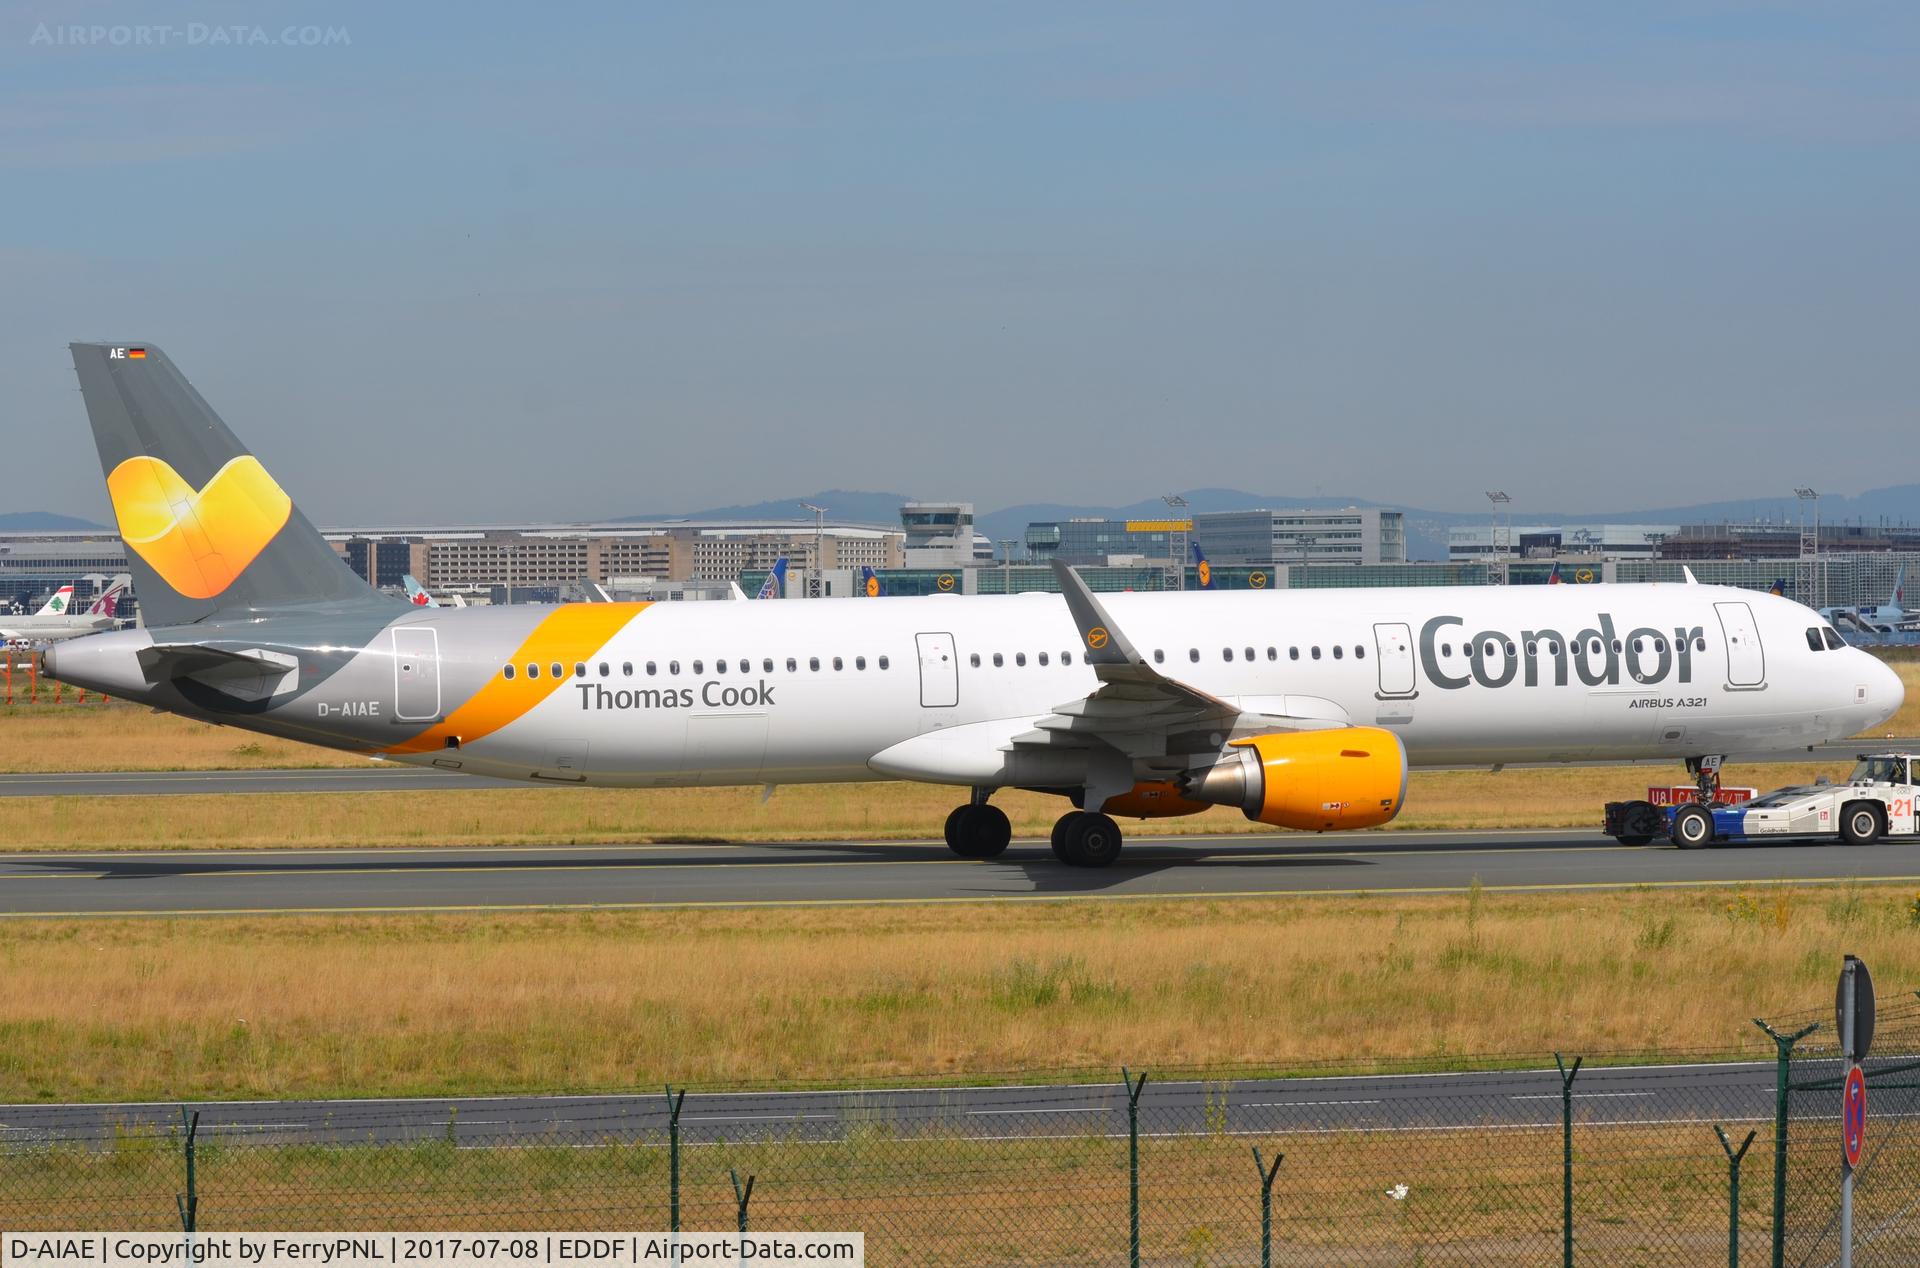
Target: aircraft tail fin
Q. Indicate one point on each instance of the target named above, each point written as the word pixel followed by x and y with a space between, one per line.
pixel 207 529
pixel 1899 589
pixel 870 583
pixel 59 603
pixel 108 604
pixel 1778 588
pixel 416 593
pixel 1202 570
pixel 1554 578
pixel 776 583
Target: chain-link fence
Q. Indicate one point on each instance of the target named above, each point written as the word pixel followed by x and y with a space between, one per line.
pixel 1595 1162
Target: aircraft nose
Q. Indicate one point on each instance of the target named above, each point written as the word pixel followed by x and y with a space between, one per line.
pixel 1885 691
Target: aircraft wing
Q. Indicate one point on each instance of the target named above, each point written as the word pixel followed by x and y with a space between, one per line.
pixel 1140 711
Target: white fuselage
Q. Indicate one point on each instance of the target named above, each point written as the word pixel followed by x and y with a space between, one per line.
pixel 815 691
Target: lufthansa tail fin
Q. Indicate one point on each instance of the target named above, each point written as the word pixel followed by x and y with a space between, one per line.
pixel 870 583
pixel 1202 570
pixel 207 529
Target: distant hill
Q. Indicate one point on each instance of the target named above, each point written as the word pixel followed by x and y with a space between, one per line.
pixel 44 522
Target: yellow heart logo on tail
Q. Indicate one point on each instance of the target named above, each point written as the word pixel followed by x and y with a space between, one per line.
pixel 198 540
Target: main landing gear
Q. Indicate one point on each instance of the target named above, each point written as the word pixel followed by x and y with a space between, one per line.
pixel 1084 839
pixel 978 831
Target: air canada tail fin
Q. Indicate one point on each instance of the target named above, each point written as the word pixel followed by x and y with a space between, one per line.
pixel 207 529
pixel 59 603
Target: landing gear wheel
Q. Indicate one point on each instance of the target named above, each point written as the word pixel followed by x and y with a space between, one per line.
pixel 978 832
pixel 1060 827
pixel 1091 840
pixel 1860 825
pixel 1692 827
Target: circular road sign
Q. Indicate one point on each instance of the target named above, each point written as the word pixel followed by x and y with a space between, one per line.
pixel 1863 1008
pixel 1853 1138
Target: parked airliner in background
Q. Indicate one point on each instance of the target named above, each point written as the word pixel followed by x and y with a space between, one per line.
pixel 57 620
pixel 1877 618
pixel 1303 709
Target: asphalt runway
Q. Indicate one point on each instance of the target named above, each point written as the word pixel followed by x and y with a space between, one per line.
pixel 1477 1101
pixel 228 882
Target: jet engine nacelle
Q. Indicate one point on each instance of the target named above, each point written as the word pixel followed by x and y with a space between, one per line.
pixel 1349 777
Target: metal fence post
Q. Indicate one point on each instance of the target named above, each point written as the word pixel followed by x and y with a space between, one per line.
pixel 1734 1157
pixel 1266 1204
pixel 1133 1163
pixel 741 1196
pixel 673 1158
pixel 188 1203
pixel 1783 1046
pixel 1566 1156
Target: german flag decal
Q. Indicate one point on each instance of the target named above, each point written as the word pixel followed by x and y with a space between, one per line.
pixel 136 354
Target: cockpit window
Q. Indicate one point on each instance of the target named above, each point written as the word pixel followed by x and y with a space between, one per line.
pixel 1880 770
pixel 1833 637
pixel 1813 639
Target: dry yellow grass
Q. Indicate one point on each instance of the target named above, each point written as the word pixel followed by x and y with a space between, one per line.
pixel 122 736
pixel 535 1002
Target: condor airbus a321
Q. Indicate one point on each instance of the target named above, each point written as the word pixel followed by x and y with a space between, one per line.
pixel 1302 709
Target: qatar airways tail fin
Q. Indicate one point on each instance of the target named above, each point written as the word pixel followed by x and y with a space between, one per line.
pixel 108 604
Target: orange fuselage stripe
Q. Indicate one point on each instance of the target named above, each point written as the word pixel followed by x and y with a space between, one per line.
pixel 571 633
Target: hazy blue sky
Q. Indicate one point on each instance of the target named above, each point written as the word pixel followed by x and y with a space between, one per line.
pixel 496 261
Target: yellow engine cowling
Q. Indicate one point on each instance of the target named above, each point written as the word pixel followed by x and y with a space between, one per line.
pixel 1351 777
pixel 1153 799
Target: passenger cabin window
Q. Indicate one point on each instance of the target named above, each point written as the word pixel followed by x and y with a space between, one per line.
pixel 1193 654
pixel 1020 659
pixel 698 667
pixel 605 669
pixel 1834 641
pixel 746 666
pixel 1700 644
pixel 1360 651
pixel 652 668
pixel 1338 651
pixel 720 666
pixel 1226 653
pixel 626 669
pixel 974 660
pixel 1316 652
pixel 1159 657
pixel 839 664
pixel 508 671
pixel 793 666
pixel 533 670
pixel 998 662
pixel 1043 658
pixel 859 662
pixel 673 667
pixel 1293 653
pixel 1813 639
pixel 766 665
pixel 579 669
pixel 1066 658
pixel 813 663
pixel 1273 653
pixel 883 662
